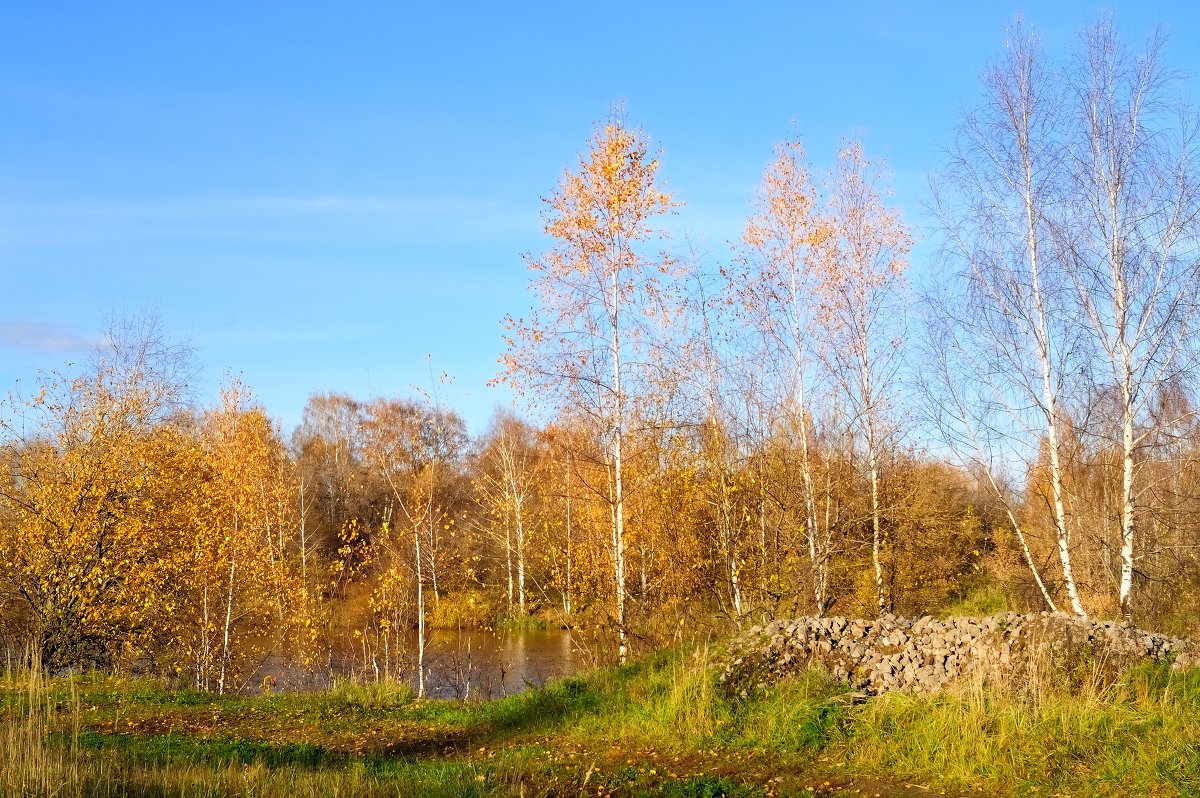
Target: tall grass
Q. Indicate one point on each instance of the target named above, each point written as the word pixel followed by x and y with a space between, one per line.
pixel 1079 733
pixel 669 698
pixel 45 754
pixel 351 694
pixel 1083 735
pixel 30 764
pixel 1138 736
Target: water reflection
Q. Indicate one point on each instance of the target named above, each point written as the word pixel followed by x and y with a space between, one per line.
pixel 493 664
pixel 458 664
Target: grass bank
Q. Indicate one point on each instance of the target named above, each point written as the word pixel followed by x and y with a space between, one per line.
pixel 659 726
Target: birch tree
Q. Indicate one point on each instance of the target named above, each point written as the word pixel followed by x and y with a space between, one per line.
pixel 245 597
pixel 1011 318
pixel 717 446
pixel 861 289
pixel 594 288
pixel 776 290
pixel 1128 242
pixel 508 468
pixel 412 447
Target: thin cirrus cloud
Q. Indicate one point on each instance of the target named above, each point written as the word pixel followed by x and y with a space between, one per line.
pixel 37 336
pixel 214 216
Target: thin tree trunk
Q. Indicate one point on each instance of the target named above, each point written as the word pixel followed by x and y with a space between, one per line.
pixel 1012 519
pixel 433 581
pixel 303 537
pixel 1062 530
pixel 876 530
pixel 726 537
pixel 1049 395
pixel 420 614
pixel 567 591
pixel 735 587
pixel 816 557
pixel 204 669
pixel 508 561
pixel 618 485
pixel 520 527
pixel 228 609
pixel 1127 509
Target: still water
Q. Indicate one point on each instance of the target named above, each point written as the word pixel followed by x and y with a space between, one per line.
pixel 489 665
pixel 458 664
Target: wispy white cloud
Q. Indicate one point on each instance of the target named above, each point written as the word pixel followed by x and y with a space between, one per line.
pixel 36 336
pixel 251 206
pixel 253 216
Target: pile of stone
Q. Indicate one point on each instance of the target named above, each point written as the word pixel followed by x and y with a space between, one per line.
pixel 928 654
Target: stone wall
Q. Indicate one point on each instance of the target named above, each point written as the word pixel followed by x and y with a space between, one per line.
pixel 927 654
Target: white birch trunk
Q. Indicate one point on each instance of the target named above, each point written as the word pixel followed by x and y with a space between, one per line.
pixel 618 485
pixel 817 560
pixel 420 613
pixel 1127 516
pixel 876 531
pixel 508 562
pixel 567 590
pixel 1043 342
pixel 228 610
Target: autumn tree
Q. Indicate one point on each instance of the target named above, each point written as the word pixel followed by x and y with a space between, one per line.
pixel 776 290
pixel 246 592
pixel 940 533
pixel 574 499
pixel 506 488
pixel 1006 332
pixel 1127 241
pixel 96 500
pixel 861 291
pixel 718 448
pixel 415 449
pixel 328 448
pixel 595 286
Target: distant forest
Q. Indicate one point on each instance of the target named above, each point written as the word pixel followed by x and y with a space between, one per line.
pixel 707 441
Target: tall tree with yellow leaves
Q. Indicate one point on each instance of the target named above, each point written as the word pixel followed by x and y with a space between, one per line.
pixel 412 447
pixel 246 589
pixel 595 287
pixel 776 289
pixel 508 469
pixel 861 291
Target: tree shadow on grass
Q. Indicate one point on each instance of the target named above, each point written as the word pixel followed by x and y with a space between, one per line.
pixel 537 710
pixel 450 729
pixel 173 748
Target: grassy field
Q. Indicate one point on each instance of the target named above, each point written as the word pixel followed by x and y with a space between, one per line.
pixel 657 727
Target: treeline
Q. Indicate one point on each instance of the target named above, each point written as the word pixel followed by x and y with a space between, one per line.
pixel 788 429
pixel 139 533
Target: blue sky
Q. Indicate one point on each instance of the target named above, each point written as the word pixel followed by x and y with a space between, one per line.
pixel 320 195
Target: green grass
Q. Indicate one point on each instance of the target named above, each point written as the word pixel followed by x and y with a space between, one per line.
pixel 1140 737
pixel 164 749
pixel 659 726
pixel 515 622
pixel 347 695
pixel 978 599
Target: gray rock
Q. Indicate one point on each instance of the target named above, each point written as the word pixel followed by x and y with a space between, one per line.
pixel 926 653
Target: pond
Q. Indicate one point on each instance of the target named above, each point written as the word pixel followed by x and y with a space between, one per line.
pixel 458 664
pixel 494 664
